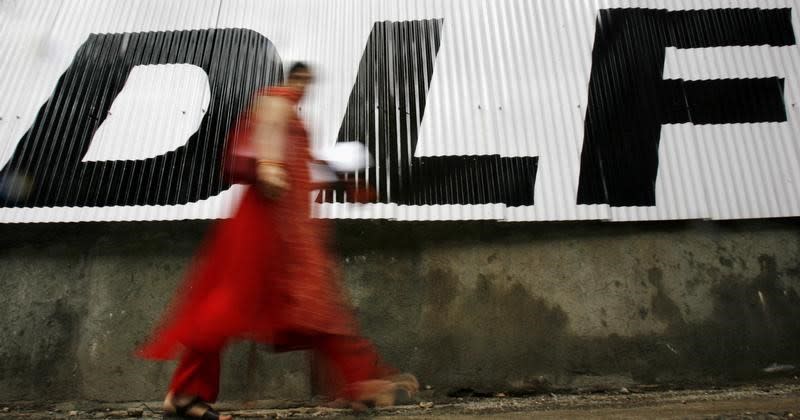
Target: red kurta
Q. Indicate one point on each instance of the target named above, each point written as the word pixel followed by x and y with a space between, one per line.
pixel 264 274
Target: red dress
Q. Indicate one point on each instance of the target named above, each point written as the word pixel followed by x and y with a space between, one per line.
pixel 265 274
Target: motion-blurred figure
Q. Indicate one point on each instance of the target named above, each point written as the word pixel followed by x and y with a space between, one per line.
pixel 266 275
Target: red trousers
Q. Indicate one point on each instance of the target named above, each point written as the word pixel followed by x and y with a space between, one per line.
pixel 348 360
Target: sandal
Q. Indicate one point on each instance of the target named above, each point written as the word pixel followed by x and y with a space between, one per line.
pixel 182 411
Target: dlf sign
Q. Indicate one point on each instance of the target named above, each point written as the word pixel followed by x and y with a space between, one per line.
pixel 628 102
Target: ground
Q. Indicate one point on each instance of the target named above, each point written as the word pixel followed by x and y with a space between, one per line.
pixel 775 400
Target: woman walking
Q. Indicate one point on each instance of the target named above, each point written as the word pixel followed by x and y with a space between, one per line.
pixel 266 275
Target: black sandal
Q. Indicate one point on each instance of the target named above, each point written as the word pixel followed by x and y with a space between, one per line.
pixel 182 412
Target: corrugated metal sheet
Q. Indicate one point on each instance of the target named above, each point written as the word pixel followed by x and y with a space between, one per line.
pixel 512 110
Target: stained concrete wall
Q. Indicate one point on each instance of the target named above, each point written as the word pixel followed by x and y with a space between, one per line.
pixel 483 305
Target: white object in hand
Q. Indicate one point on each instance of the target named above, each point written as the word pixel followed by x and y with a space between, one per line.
pixel 349 156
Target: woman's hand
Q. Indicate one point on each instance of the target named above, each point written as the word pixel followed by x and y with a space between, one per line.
pixel 272 179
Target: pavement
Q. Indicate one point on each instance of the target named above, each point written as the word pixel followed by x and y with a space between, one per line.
pixel 779 400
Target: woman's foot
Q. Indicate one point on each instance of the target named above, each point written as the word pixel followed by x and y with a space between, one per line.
pixel 189 407
pixel 378 393
pixel 373 393
pixel 406 383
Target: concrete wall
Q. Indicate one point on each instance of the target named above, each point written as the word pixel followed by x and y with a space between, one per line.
pixel 480 305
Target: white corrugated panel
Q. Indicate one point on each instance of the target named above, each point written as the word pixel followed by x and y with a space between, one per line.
pixel 30 62
pixel 456 99
pixel 58 41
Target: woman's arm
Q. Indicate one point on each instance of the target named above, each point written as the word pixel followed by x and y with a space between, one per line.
pixel 271 120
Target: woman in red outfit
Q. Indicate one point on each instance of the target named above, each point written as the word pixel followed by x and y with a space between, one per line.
pixel 266 275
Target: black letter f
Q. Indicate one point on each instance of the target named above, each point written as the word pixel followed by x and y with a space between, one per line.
pixel 629 101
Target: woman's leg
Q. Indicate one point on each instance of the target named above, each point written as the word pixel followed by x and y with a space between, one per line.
pixel 359 374
pixel 195 378
pixel 197 375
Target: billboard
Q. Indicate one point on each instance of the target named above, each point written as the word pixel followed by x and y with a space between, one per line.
pixel 509 110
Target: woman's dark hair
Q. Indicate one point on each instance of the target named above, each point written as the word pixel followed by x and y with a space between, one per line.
pixel 298 67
